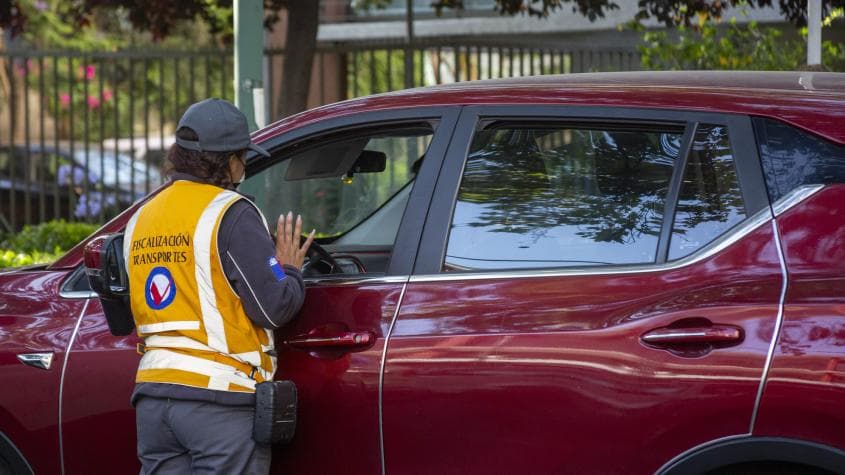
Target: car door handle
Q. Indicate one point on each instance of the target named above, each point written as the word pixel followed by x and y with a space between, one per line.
pixel 715 334
pixel 37 360
pixel 346 340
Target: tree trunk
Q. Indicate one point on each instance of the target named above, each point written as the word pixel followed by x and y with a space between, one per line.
pixel 5 85
pixel 300 46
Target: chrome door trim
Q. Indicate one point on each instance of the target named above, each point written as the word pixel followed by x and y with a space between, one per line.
pixel 62 382
pixel 794 197
pixel 329 281
pixel 381 379
pixel 775 330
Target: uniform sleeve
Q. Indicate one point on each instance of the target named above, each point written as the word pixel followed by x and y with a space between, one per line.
pixel 271 294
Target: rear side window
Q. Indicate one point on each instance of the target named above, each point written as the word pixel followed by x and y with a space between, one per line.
pixel 792 158
pixel 558 196
pixel 710 200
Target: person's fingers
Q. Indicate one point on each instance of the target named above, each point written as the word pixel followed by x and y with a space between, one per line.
pixel 304 248
pixel 289 228
pixel 280 233
pixel 303 251
pixel 297 231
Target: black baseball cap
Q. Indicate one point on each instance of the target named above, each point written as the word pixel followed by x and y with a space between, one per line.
pixel 220 127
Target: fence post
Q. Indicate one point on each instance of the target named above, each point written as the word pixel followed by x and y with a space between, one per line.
pixel 249 48
pixel 409 40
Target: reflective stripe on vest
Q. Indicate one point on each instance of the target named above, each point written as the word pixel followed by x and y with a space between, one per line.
pixel 182 300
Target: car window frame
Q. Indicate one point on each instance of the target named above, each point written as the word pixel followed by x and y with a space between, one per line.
pixel 410 229
pixel 432 250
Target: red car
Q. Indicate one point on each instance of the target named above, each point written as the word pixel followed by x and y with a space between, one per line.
pixel 598 273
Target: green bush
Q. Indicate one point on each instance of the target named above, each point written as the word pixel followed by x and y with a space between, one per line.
pixel 17 259
pixel 738 46
pixel 42 243
pixel 50 237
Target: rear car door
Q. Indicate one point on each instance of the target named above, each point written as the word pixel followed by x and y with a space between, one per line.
pixel 596 291
pixel 364 183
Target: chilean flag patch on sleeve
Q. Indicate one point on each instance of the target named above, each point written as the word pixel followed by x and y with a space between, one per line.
pixel 276 268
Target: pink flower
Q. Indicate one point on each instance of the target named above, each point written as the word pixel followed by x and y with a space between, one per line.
pixel 93 102
pixel 88 71
pixel 22 69
pixel 64 99
pixel 107 95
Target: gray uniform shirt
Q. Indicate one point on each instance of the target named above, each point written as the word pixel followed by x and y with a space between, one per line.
pixel 270 298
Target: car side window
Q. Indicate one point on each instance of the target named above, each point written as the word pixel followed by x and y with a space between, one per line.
pixel 792 157
pixel 352 187
pixel 540 196
pixel 710 200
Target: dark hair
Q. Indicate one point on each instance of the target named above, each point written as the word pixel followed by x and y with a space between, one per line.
pixel 212 167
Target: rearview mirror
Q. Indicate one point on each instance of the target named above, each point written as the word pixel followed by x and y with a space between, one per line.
pixel 369 161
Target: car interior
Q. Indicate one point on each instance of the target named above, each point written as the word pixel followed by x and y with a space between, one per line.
pixel 352 188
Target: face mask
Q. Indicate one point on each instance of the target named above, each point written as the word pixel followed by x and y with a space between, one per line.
pixel 237 183
pixel 243 177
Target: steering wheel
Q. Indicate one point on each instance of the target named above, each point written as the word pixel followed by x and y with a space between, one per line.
pixel 320 261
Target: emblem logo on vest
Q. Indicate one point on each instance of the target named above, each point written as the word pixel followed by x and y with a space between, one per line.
pixel 160 289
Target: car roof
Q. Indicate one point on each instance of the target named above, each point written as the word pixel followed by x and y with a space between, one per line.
pixel 774 81
pixel 813 101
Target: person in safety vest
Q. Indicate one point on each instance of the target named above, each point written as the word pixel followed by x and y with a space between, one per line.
pixel 208 287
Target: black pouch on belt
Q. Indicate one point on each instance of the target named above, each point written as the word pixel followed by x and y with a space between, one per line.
pixel 275 412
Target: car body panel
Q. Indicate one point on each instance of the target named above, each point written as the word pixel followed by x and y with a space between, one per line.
pixel 809 359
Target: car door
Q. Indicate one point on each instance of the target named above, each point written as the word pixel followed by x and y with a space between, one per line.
pixel 364 183
pixel 36 327
pixel 596 291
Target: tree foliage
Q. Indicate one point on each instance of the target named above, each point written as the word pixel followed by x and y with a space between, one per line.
pixel 746 46
pixel 667 12
pixel 162 18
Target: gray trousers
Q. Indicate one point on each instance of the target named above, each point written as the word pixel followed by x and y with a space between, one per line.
pixel 180 437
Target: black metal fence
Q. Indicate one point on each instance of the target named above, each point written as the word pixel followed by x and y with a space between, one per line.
pixel 83 135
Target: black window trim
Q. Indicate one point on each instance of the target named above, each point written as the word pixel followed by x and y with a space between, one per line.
pixel 670 204
pixel 410 229
pixel 433 244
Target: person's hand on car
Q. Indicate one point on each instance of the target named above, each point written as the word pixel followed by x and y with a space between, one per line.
pixel 288 250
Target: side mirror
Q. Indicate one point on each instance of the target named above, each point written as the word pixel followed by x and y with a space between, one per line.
pixel 106 271
pixel 105 267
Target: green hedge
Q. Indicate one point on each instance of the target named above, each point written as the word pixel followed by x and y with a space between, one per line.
pixel 42 243
pixel 18 259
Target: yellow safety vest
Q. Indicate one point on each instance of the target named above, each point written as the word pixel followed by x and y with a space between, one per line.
pixel 194 327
